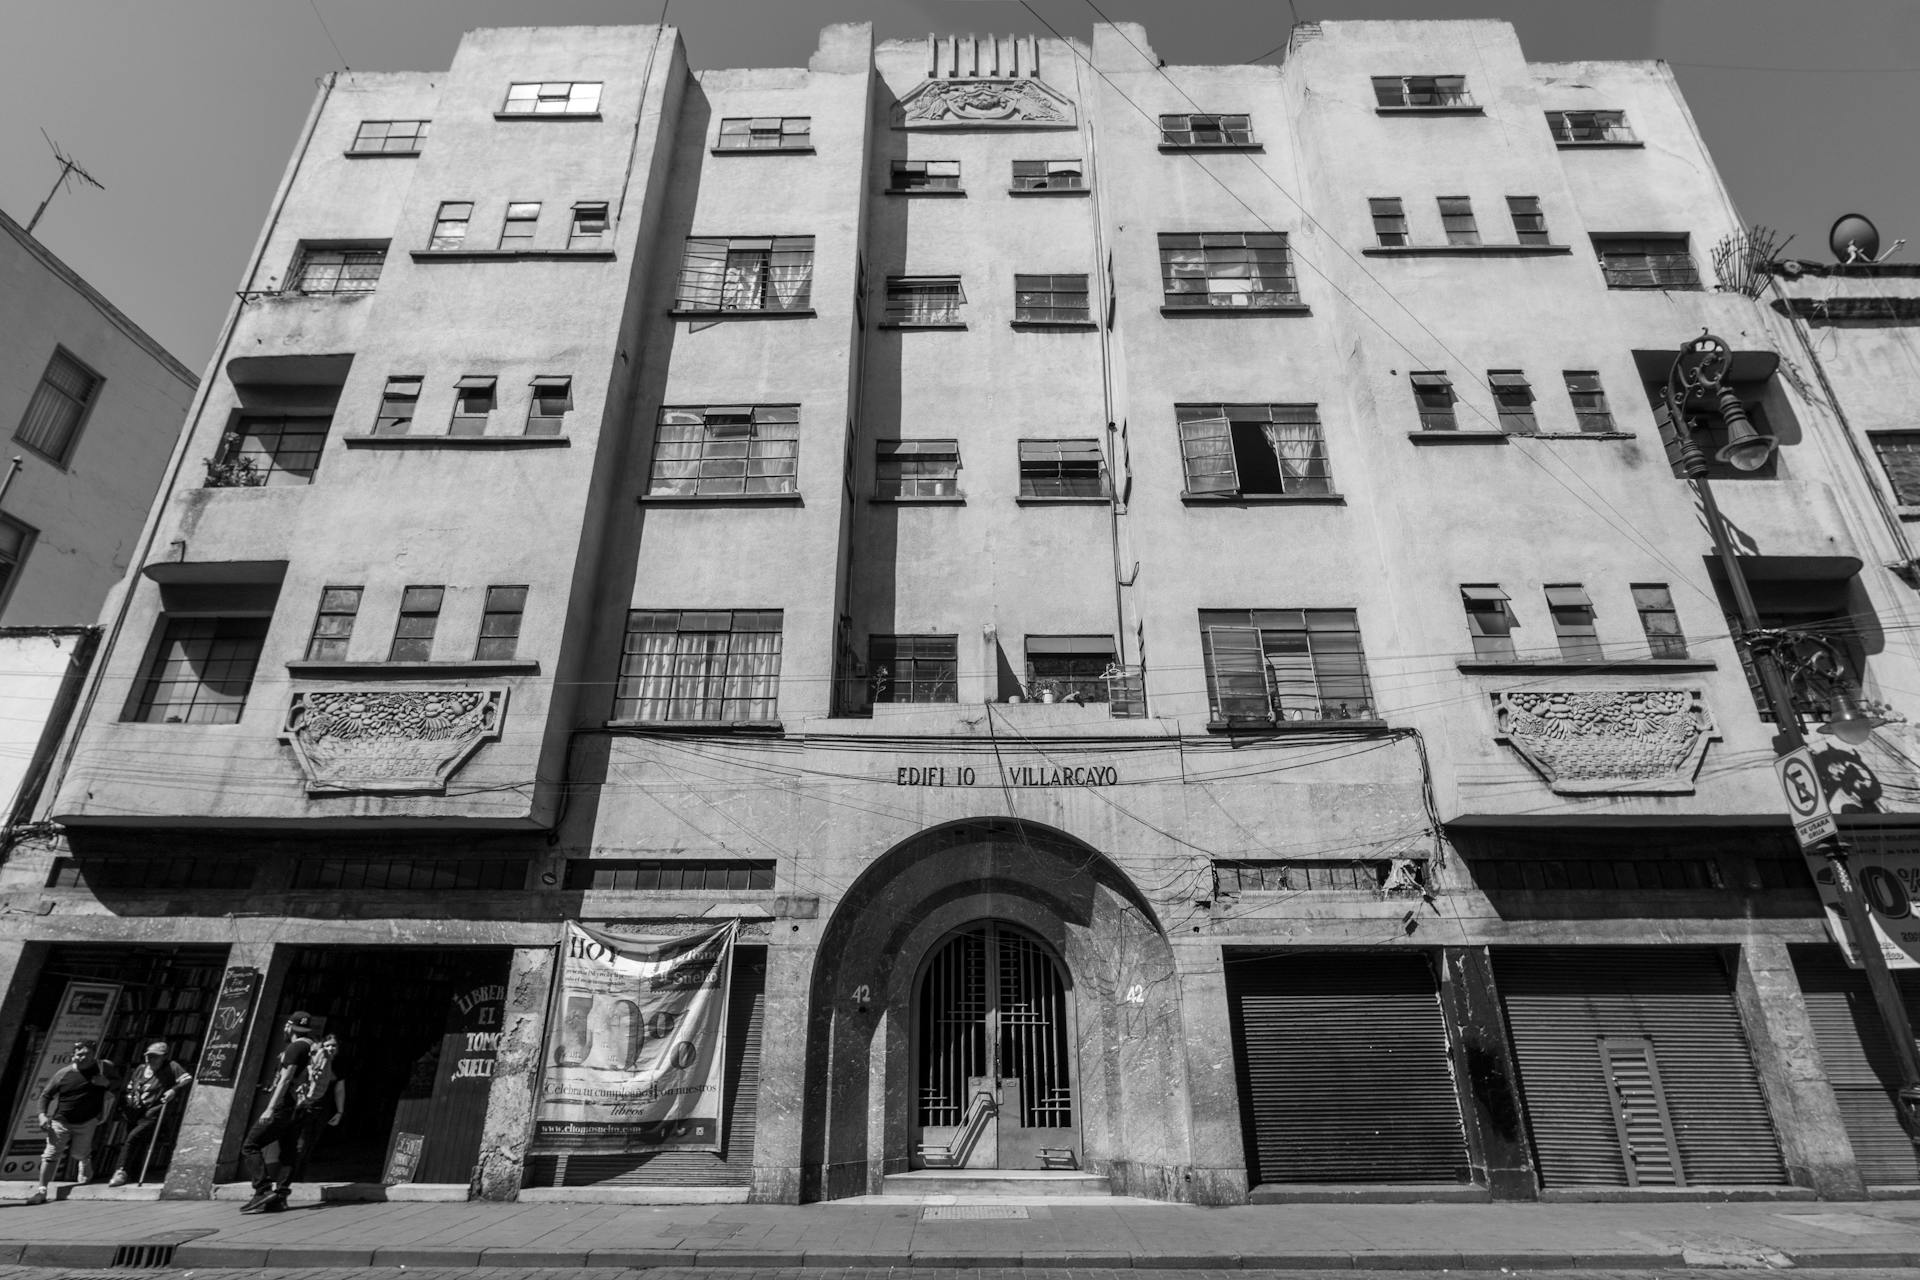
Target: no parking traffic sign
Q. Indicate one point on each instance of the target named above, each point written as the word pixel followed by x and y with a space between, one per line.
pixel 1806 799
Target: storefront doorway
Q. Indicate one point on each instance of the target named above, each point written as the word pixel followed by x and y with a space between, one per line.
pixel 995 1070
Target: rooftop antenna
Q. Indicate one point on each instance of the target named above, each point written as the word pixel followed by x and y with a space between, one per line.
pixel 69 169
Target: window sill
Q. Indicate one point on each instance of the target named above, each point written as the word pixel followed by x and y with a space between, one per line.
pixel 1457 437
pixel 1041 326
pixel 512 255
pixel 1296 726
pixel 1175 148
pixel 1269 309
pixel 1429 111
pixel 1048 191
pixel 1587 666
pixel 1062 500
pixel 1466 250
pixel 926 500
pixel 1695 287
pixel 455 442
pixel 546 115
pixel 317 668
pixel 1599 144
pixel 723 499
pixel 761 151
pixel 763 727
pixel 1583 435
pixel 378 155
pixel 947 192
pixel 1260 499
pixel 743 313
pixel 923 324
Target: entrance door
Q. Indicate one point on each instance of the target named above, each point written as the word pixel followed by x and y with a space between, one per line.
pixel 995 1079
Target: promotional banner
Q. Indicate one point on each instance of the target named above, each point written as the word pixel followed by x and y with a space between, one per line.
pixel 1886 866
pixel 85 1010
pixel 636 1043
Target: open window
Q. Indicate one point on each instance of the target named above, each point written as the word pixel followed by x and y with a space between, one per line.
pixel 1235 450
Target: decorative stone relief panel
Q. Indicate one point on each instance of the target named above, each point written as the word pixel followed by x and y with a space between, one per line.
pixel 389 739
pixel 973 103
pixel 1608 741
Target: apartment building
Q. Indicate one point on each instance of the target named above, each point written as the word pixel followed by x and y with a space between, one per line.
pixel 1156 595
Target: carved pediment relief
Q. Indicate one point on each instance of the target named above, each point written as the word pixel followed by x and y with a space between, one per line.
pixel 1608 741
pixel 973 103
pixel 376 740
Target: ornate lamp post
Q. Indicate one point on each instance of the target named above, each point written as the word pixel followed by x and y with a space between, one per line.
pixel 1698 382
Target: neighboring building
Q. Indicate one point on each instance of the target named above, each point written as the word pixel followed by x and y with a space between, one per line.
pixel 1155 593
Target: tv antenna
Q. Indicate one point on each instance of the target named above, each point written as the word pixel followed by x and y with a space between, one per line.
pixel 69 170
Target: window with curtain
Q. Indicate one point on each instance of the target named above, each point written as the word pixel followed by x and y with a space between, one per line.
pixel 1227 269
pixel 924 300
pixel 726 451
pixel 746 273
pixel 699 665
pixel 59 405
pixel 1242 449
pixel 1285 665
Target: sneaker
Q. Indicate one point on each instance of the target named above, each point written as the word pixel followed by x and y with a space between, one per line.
pixel 39 1196
pixel 119 1178
pixel 276 1203
pixel 259 1202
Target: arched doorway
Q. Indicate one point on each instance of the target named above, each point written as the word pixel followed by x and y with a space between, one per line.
pixel 993 1054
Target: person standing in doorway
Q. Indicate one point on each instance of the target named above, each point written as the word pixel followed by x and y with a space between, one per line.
pixel 327 1109
pixel 280 1121
pixel 75 1103
pixel 151 1089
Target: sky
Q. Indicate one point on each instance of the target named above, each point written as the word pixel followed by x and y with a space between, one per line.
pixel 188 109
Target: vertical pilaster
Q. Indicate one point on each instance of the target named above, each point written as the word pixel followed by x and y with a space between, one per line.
pixel 20 966
pixel 1218 1151
pixel 507 1131
pixel 1489 1080
pixel 783 1070
pixel 216 1116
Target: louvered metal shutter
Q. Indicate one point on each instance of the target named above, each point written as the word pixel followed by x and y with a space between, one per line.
pixel 1859 1060
pixel 733 1166
pixel 1562 1003
pixel 1344 1070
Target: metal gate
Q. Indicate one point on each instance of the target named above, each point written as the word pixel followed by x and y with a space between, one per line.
pixel 1859 1061
pixel 995 1077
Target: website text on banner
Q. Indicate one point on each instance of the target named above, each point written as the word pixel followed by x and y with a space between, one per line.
pixel 636 1043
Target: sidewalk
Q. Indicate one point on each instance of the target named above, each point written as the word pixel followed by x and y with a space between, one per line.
pixel 878 1232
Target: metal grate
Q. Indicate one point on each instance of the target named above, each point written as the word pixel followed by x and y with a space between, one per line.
pixel 971 1212
pixel 143 1255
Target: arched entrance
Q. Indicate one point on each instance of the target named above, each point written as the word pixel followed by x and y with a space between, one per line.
pixel 993 1054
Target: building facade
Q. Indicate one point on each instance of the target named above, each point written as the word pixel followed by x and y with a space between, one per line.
pixel 1156 595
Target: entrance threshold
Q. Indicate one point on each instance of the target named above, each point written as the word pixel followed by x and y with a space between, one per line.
pixel 1670 1195
pixel 617 1194
pixel 996 1182
pixel 1369 1193
pixel 352 1192
pixel 76 1191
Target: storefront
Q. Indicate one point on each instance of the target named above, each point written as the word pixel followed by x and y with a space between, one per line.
pixel 1859 1061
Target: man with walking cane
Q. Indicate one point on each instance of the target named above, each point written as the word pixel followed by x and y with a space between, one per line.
pixel 154 1085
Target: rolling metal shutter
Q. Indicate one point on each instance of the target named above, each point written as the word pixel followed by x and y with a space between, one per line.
pixel 1635 1068
pixel 733 1166
pixel 1859 1061
pixel 1344 1069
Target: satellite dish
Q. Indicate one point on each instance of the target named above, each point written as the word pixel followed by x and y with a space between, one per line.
pixel 1854 238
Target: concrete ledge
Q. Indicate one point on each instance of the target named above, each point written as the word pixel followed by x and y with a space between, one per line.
pixel 1298 1261
pixel 1369 1193
pixel 1411 1261
pixel 1854 1258
pixel 1893 1193
pixel 429 1256
pixel 637 1258
pixel 10 1252
pixel 955 1259
pixel 198 1254
pixel 834 1258
pixel 1671 1195
pixel 633 1195
pixel 510 1257
pixel 314 1255
pixel 1186 1261
pixel 100 1191
pixel 1669 1258
pixel 355 1192
pixel 67 1255
pixel 749 1258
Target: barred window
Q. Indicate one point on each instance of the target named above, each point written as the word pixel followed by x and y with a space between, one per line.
pixel 1900 454
pixel 201 671
pixel 1433 396
pixel 552 401
pixel 1062 469
pixel 1382 875
pixel 747 273
pixel 1051 300
pixel 925 175
pixel 1072 668
pixel 1659 619
pixel 450 224
pixel 1048 175
pixel 404 136
pixel 1253 448
pixel 59 405
pixel 1590 126
pixel 333 625
pixel 917 468
pixel 699 665
pixel 337 269
pixel 397 404
pixel 1421 91
pixel 1590 407
pixel 1228 269
pixel 1456 217
pixel 588 228
pixel 1490 621
pixel 1513 398
pixel 766 133
pixel 671 875
pixel 914 668
pixel 1389 221
pixel 726 451
pixel 276 450
pixel 1206 131
pixel 1285 665
pixel 1573 626
pixel 553 98
pixel 500 624
pixel 924 300
pixel 419 619
pixel 1529 223
pixel 1646 262
pixel 441 874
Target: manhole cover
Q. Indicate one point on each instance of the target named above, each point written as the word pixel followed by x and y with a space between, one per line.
pixel 957 1212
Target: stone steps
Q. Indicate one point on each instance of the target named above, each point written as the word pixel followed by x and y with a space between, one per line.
pixel 996 1182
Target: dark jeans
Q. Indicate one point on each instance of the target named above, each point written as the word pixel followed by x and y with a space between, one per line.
pixel 134 1154
pixel 280 1127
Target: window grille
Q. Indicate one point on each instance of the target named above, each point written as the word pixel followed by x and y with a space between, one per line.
pixel 1285 665
pixel 700 665
pixel 1899 453
pixel 337 270
pixel 671 875
pixel 914 668
pixel 1072 668
pixel 726 451
pixel 1228 269
pixel 747 273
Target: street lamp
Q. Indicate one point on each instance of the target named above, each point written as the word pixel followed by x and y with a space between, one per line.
pixel 1698 380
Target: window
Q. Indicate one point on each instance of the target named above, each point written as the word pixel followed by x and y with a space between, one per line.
pixel 500 624
pixel 1490 621
pixel 928 300
pixel 552 400
pixel 1206 131
pixel 1062 469
pixel 523 216
pixel 336 269
pixel 925 175
pixel 588 228
pixel 1456 216
pixel 1285 664
pixel 397 404
pixel 15 540
pixel 1589 126
pixel 914 668
pixel 333 625
pixel 1433 395
pixel 1513 397
pixel 1377 875
pixel 472 404
pixel 271 450
pixel 917 468
pixel 1646 262
pixel 450 224
pixel 1900 454
pixel 404 136
pixel 1529 223
pixel 747 273
pixel 699 665
pixel 1589 400
pixel 424 874
pixel 1421 91
pixel 59 406
pixel 1228 269
pixel 554 98
pixel 419 615
pixel 1572 615
pixel 1048 175
pixel 1072 668
pixel 1253 448
pixel 1051 300
pixel 201 671
pixel 1389 221
pixel 766 133
pixel 1658 618
pixel 726 451
pixel 670 875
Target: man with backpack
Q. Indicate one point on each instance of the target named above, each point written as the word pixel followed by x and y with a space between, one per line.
pixel 305 1075
pixel 150 1092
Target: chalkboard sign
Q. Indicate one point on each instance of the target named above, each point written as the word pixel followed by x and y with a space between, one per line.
pixel 403 1159
pixel 227 1029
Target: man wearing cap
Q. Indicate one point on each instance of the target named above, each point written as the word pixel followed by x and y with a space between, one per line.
pixel 279 1122
pixel 77 1101
pixel 155 1083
